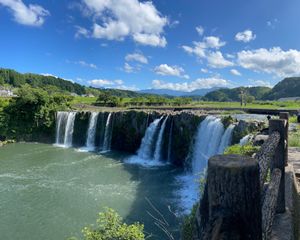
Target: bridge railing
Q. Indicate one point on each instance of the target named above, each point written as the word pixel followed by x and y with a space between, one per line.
pixel 243 194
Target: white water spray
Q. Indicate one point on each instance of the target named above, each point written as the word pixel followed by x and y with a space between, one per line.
pixel 107 134
pixel 158 147
pixel 90 142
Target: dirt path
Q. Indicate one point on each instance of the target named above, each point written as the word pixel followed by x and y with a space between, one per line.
pixel 294 158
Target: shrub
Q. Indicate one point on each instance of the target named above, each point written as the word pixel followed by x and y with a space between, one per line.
pixel 189 224
pixel 110 226
pixel 246 150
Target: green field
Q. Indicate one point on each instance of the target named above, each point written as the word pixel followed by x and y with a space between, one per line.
pixel 290 105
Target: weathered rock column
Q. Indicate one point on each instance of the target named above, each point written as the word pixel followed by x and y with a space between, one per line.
pixel 278 125
pixel 285 116
pixel 233 194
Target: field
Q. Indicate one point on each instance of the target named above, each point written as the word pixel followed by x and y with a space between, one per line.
pixel 291 105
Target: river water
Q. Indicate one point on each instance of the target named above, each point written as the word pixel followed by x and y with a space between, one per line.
pixel 51 193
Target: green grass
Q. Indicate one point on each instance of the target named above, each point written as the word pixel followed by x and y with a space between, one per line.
pixel 294 138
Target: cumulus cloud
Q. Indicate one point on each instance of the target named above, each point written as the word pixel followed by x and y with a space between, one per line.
pixel 199 83
pixel 31 15
pixel 166 70
pixel 137 57
pixel 235 72
pixel 85 64
pixel 118 19
pixel 245 36
pixel 128 68
pixel 208 49
pixel 262 83
pixel 273 61
pixel 216 60
pixel 81 32
pixel 117 84
pixel 200 30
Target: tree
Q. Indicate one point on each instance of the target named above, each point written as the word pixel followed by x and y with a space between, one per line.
pixel 110 226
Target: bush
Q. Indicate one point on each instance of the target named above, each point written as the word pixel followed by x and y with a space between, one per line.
pixel 110 226
pixel 189 224
pixel 246 150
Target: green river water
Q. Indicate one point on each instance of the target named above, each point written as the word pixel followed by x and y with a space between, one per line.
pixel 51 193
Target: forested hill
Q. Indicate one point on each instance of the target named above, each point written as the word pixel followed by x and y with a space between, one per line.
pixel 233 95
pixel 288 87
pixel 15 79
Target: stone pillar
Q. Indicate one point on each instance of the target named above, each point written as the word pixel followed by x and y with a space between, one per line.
pixel 233 194
pixel 278 125
pixel 285 116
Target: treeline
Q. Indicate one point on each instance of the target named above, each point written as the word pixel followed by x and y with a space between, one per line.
pixel 108 100
pixel 31 115
pixel 249 94
pixel 15 79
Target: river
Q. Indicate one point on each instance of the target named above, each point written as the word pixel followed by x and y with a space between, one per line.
pixel 51 193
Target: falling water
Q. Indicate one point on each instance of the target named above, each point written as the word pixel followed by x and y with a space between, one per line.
pixel 60 124
pixel 207 142
pixel 226 139
pixel 158 147
pixel 107 134
pixel 145 150
pixel 69 129
pixel 90 142
pixel 245 140
pixel 170 141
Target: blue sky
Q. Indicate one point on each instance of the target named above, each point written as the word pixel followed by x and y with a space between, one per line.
pixel 171 44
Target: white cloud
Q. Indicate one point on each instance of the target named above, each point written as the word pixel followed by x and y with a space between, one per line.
pixel 272 23
pixel 138 57
pixel 31 15
pixel 118 19
pixel 199 83
pixel 204 70
pixel 166 70
pixel 273 61
pixel 213 42
pixel 235 72
pixel 117 84
pixel 128 68
pixel 85 64
pixel 200 30
pixel 81 32
pixel 216 60
pixel 202 50
pixel 245 36
pixel 262 83
pixel 49 75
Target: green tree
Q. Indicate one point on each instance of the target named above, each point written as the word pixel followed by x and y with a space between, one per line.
pixel 110 226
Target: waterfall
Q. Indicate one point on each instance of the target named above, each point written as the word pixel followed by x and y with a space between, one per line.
pixel 145 150
pixel 107 134
pixel 245 139
pixel 170 141
pixel 207 142
pixel 60 124
pixel 158 147
pixel 210 139
pixel 91 134
pixel 69 129
pixel 226 139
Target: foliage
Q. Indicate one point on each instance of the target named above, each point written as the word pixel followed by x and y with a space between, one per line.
pixel 31 112
pixel 246 150
pixel 16 79
pixel 189 224
pixel 294 137
pixel 110 226
pixel 288 87
pixel 293 119
pixel 233 95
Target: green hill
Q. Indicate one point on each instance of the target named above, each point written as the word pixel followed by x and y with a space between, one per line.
pixel 233 95
pixel 288 87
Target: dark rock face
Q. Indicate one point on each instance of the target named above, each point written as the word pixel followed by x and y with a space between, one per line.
pixel 80 128
pixel 245 127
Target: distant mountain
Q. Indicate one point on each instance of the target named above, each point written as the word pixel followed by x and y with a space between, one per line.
pixel 288 87
pixel 174 93
pixel 232 95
